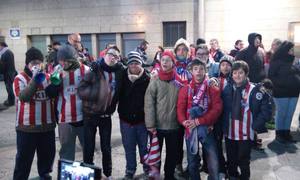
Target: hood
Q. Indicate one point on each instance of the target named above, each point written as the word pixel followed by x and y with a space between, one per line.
pixel 180 42
pixel 251 38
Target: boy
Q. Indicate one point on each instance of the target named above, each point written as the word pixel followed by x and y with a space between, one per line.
pixel 246 109
pixel 198 107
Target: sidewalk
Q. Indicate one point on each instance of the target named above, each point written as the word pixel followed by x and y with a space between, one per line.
pixel 277 161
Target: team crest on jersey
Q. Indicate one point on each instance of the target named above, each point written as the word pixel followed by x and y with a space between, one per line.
pixel 40 95
pixel 259 96
pixel 71 90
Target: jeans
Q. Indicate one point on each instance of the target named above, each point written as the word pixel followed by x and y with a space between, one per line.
pixel 90 128
pixel 238 155
pixel 209 146
pixel 27 144
pixel 285 108
pixel 171 138
pixel 133 135
pixel 67 139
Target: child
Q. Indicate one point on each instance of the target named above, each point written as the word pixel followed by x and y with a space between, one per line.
pixel 246 109
pixel 198 107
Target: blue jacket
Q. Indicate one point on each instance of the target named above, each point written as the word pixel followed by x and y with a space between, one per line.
pixel 260 107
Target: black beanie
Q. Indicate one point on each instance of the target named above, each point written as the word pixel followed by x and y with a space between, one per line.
pixel 33 54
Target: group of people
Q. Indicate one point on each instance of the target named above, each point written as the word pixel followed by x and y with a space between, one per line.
pixel 192 94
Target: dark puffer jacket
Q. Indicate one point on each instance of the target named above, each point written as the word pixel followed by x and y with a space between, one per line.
pixel 131 102
pixel 285 77
pixel 254 58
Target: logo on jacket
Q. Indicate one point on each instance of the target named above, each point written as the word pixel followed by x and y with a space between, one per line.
pixel 40 95
pixel 71 90
pixel 259 96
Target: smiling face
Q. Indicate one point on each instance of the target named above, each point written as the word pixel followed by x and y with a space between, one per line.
pixel 166 63
pixel 112 57
pixel 239 76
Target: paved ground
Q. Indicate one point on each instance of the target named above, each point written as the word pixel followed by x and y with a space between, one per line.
pixel 277 161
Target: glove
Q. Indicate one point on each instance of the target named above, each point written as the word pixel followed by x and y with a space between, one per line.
pixel 94 67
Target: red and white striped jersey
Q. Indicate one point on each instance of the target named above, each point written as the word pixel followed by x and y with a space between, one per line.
pixel 69 105
pixel 39 110
pixel 242 130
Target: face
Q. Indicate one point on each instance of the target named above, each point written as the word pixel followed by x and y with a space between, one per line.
pixel 291 51
pixel 239 76
pixel 75 41
pixel 182 51
pixel 214 45
pixel 202 54
pixel 35 64
pixel 145 46
pixel 112 57
pixel 240 45
pixel 166 63
pixel 257 42
pixel 135 68
pixel 64 64
pixel 225 68
pixel 198 72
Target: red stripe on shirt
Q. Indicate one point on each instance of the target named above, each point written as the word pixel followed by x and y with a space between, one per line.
pixel 32 112
pixel 73 98
pixel 44 112
pixel 21 113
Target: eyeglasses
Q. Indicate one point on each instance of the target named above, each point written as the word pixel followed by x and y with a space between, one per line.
pixel 75 40
pixel 113 56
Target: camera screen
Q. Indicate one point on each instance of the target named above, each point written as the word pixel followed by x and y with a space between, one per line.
pixel 73 171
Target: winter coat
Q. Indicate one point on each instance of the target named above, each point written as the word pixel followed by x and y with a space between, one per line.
pixel 160 105
pixel 285 77
pixel 254 58
pixel 132 96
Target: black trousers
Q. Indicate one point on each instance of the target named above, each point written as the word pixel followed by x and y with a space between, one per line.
pixel 8 80
pixel 171 139
pixel 238 155
pixel 90 128
pixel 29 143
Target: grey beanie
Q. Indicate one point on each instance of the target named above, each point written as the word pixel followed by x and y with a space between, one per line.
pixel 67 53
pixel 134 56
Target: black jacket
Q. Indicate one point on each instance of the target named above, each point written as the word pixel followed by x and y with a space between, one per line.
pixel 131 102
pixel 7 63
pixel 254 59
pixel 285 77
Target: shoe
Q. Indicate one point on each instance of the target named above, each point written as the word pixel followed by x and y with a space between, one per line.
pixel 128 177
pixel 280 137
pixel 7 103
pixel 288 137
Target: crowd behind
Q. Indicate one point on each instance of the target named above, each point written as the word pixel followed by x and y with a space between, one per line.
pixel 196 95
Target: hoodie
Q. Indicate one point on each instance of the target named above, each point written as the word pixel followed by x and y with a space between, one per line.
pixel 254 58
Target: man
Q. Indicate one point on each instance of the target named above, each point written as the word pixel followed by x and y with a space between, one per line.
pixel 74 40
pixel 7 68
pixel 141 49
pixel 254 58
pixel 35 119
pixel 246 109
pixel 52 57
pixel 109 70
pixel 202 53
pixel 198 108
pixel 215 51
pixel 131 112
pixel 238 45
pixel 69 105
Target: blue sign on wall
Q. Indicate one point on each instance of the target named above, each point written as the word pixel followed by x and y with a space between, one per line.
pixel 14 33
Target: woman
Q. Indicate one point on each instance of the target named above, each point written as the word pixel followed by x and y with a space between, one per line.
pixel 286 79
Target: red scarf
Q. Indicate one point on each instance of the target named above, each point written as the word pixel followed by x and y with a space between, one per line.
pixel 166 76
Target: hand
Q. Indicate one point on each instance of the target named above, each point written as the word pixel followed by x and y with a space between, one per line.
pixel 213 82
pixel 190 124
pixel 35 70
pixel 152 130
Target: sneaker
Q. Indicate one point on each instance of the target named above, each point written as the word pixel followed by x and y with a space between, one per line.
pixel 128 177
pixel 7 103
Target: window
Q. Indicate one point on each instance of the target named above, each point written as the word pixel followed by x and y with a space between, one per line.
pixel 104 39
pixel 294 36
pixel 60 38
pixel 86 40
pixel 39 42
pixel 130 41
pixel 172 31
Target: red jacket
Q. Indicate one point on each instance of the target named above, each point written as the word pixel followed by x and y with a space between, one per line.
pixel 215 106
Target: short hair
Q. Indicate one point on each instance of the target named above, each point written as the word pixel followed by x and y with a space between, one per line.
pixel 237 42
pixel 144 42
pixel 214 39
pixel 240 65
pixel 56 43
pixel 196 62
pixel 115 47
pixel 202 46
pixel 200 41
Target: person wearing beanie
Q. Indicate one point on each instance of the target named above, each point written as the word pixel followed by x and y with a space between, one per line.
pixel 161 97
pixel 69 105
pixel 131 112
pixel 155 70
pixel 35 122
pixel 246 110
pixel 7 68
pixel 104 81
pixel 253 57
pixel 238 45
pixel 286 80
